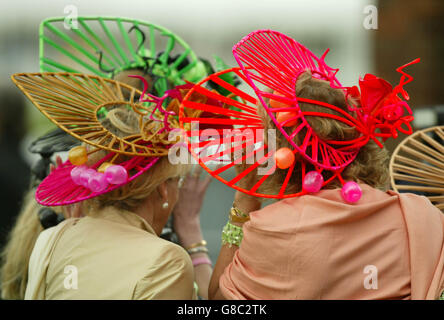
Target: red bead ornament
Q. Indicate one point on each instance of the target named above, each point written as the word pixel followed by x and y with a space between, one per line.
pixel 393 113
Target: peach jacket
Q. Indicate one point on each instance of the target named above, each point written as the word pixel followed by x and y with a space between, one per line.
pixel 386 246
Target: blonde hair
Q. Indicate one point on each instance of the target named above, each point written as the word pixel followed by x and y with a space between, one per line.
pixel 371 164
pixel 130 196
pixel 17 252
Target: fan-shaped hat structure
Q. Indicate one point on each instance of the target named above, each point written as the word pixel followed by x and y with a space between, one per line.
pixel 75 103
pixel 104 46
pixel 417 165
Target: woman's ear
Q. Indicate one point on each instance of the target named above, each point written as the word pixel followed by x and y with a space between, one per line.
pixel 163 191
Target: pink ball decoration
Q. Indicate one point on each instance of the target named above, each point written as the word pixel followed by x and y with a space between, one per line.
pixel 351 192
pixel 313 181
pixel 85 175
pixel 116 174
pixel 76 172
pixel 97 182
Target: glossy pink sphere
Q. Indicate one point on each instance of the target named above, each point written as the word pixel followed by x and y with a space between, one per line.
pixel 351 192
pixel 116 174
pixel 85 175
pixel 76 172
pixel 97 182
pixel 313 181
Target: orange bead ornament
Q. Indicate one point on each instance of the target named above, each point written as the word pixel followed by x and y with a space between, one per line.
pixel 78 155
pixel 284 158
pixel 277 104
pixel 284 116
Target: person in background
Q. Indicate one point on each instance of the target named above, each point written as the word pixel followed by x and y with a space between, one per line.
pixel 14 171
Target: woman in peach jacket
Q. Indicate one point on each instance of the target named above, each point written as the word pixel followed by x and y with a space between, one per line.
pixel 385 246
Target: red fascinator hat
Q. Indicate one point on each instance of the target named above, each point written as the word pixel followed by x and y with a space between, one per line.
pixel 270 64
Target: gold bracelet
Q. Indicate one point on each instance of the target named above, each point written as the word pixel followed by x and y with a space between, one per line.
pixel 200 249
pixel 197 244
pixel 238 216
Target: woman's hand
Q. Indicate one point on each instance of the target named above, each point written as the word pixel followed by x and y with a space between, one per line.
pixel 186 213
pixel 243 201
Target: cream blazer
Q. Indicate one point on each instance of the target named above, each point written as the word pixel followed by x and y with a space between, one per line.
pixel 112 254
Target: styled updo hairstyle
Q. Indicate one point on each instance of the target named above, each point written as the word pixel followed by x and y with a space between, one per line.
pixel 371 164
pixel 122 122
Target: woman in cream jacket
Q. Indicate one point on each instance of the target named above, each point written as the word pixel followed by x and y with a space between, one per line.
pixel 115 251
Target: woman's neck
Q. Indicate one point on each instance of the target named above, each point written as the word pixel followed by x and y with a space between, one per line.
pixel 147 211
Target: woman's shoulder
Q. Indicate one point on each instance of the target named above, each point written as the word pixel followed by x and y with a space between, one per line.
pixel 154 246
pixel 161 251
pixel 172 250
pixel 416 203
pixel 112 238
pixel 169 275
pixel 325 208
pixel 276 217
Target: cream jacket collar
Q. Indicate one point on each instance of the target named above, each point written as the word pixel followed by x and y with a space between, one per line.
pixel 122 216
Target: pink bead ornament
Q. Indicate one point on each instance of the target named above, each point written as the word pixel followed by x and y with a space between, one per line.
pixel 116 174
pixel 97 182
pixel 85 175
pixel 351 192
pixel 313 181
pixel 76 172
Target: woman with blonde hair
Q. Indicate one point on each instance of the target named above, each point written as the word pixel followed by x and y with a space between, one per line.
pixel 15 255
pixel 121 180
pixel 336 232
pixel 33 219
